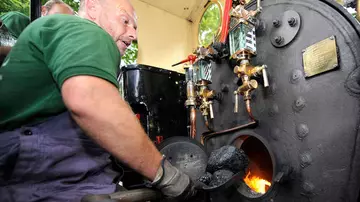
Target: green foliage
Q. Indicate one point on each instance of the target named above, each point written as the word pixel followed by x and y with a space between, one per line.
pixel 74 4
pixel 209 25
pixel 130 55
pixel 22 6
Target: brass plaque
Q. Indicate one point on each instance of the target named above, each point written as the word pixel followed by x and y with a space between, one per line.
pixel 320 57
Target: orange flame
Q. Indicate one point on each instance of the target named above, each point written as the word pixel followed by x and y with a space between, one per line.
pixel 256 183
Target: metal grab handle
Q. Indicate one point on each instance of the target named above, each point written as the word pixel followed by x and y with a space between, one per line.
pixel 211 111
pixel 136 195
pixel 265 77
pixel 236 102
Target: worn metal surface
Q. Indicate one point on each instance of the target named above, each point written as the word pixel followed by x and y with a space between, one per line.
pixel 185 154
pixel 136 195
pixel 159 96
pixel 285 28
pixel 309 124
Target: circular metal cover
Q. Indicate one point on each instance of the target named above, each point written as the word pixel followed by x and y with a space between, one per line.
pixel 285 30
pixel 185 154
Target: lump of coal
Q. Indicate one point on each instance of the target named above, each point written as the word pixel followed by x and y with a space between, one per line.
pixel 220 177
pixel 206 178
pixel 229 158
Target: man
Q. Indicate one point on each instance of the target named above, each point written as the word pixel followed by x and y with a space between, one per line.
pixel 56 7
pixel 56 85
pixel 15 22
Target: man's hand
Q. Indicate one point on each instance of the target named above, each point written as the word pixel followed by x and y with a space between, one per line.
pixel 173 183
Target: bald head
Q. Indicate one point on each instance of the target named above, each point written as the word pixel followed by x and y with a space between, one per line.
pixel 116 17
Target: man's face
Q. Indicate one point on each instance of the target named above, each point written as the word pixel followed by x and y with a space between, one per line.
pixel 57 9
pixel 117 17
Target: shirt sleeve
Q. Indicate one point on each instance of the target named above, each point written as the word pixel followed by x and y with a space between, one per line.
pixel 15 22
pixel 80 49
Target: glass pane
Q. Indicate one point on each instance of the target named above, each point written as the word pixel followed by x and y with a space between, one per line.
pixel 209 24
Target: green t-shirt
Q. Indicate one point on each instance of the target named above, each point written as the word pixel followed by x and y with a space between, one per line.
pixel 50 50
pixel 15 22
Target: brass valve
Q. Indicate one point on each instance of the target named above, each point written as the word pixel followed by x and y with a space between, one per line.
pixel 206 96
pixel 246 69
pixel 245 90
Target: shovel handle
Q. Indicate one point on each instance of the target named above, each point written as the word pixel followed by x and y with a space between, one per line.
pixel 136 195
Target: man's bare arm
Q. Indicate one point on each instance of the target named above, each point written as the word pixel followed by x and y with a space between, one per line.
pixel 96 105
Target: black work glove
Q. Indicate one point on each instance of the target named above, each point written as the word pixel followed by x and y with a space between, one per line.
pixel 173 183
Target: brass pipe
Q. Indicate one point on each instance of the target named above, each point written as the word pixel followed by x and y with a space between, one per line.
pixel 192 122
pixel 207 124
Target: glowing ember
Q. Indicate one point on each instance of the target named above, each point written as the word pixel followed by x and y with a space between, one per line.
pixel 257 184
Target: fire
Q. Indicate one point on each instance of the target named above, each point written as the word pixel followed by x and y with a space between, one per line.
pixel 256 183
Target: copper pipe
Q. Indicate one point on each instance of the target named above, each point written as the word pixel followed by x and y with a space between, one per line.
pixel 208 124
pixel 248 109
pixel 192 122
pixel 206 136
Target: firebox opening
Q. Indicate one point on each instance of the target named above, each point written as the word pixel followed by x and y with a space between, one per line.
pixel 259 175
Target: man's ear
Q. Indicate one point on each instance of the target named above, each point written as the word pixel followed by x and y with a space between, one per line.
pixel 91 7
pixel 44 11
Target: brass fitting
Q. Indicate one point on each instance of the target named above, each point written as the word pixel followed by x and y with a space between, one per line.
pixel 190 93
pixel 206 97
pixel 245 90
pixel 245 68
pixel 247 86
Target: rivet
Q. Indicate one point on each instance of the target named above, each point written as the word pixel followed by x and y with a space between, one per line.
pixel 275 133
pixel 295 76
pixel 299 104
pixel 224 88
pixel 308 187
pixel 272 89
pixel 274 110
pixel 305 159
pixel 302 131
